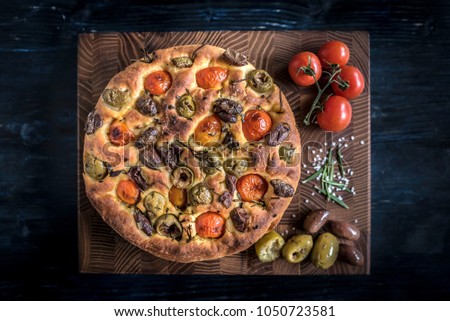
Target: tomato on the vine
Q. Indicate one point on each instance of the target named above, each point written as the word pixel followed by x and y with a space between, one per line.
pixel 305 68
pixel 351 83
pixel 336 114
pixel 333 53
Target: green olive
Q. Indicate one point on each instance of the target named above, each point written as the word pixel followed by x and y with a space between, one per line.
pixel 94 167
pixel 260 81
pixel 325 251
pixel 210 161
pixel 155 204
pixel 287 153
pixel 169 226
pixel 186 106
pixel 268 247
pixel 235 166
pixel 182 177
pixel 297 248
pixel 182 62
pixel 200 194
pixel 116 98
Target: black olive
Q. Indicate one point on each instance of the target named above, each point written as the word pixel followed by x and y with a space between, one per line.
pixel 281 188
pixel 149 157
pixel 228 118
pixel 234 58
pixel 146 105
pixel 149 136
pixel 170 155
pixel 230 182
pixel 143 222
pixel 227 109
pixel 136 176
pixel 230 142
pixel 240 219
pixel 278 134
pixel 94 121
pixel 226 199
pixel 228 106
pixel 182 62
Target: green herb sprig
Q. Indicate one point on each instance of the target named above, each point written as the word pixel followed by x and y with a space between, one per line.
pixel 326 173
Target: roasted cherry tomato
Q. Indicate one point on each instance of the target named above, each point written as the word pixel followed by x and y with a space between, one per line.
pixel 211 77
pixel 303 66
pixel 208 130
pixel 158 82
pixel 336 114
pixel 178 197
pixel 119 134
pixel 251 187
pixel 257 123
pixel 128 192
pixel 352 83
pixel 333 53
pixel 210 225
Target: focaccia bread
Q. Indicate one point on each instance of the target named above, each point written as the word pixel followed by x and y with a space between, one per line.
pixel 191 153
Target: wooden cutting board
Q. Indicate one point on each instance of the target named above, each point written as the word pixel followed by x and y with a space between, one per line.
pixel 102 55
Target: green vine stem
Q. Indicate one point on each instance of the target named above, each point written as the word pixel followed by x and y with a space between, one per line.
pixel 315 105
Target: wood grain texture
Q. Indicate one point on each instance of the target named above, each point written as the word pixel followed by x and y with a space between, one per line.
pixel 410 142
pixel 103 55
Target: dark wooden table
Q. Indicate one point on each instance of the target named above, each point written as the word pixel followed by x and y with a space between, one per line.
pixel 410 147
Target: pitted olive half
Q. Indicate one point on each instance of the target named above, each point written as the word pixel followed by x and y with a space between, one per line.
pixel 94 167
pixel 260 81
pixel 115 98
pixel 182 177
pixel 169 226
pixel 235 166
pixel 155 203
pixel 200 194
pixel 186 106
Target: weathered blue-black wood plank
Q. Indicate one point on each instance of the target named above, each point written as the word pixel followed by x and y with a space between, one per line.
pixel 410 63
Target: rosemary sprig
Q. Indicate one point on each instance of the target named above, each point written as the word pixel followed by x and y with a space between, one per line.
pixel 340 162
pixel 327 182
pixel 313 176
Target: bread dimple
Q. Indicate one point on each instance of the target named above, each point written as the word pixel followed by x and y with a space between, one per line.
pixel 173 127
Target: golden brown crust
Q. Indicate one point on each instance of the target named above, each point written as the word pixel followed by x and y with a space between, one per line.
pixel 268 164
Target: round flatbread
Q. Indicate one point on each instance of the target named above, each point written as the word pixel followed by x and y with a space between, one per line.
pixel 191 153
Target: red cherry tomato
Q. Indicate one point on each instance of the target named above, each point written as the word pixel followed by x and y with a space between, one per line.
pixel 299 63
pixel 251 187
pixel 158 82
pixel 354 83
pixel 208 130
pixel 333 53
pixel 211 77
pixel 210 225
pixel 257 123
pixel 336 114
